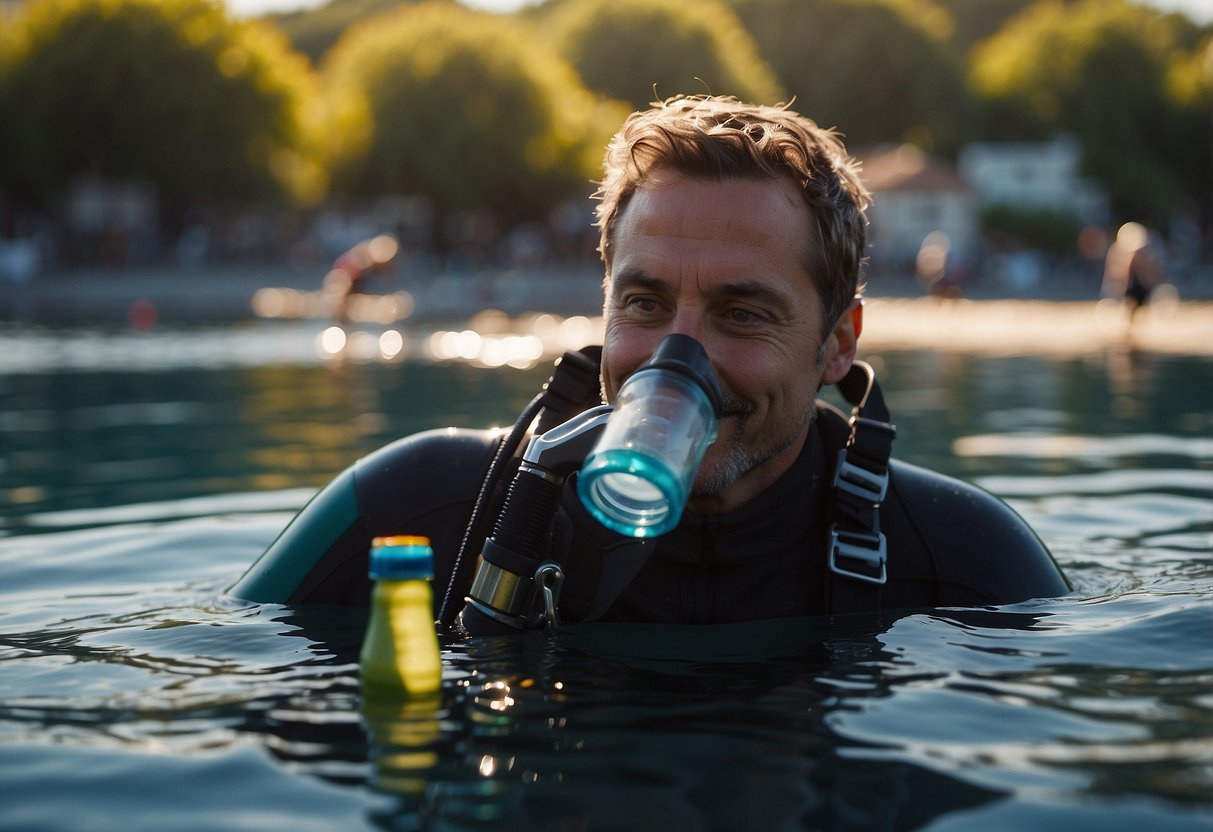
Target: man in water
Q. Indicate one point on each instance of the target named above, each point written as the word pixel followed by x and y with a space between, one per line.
pixel 742 227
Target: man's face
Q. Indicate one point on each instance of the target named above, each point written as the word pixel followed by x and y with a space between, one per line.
pixel 724 262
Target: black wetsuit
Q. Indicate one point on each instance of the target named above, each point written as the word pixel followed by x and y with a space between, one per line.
pixel 949 543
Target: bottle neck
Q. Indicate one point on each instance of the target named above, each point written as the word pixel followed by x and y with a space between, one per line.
pixel 403 588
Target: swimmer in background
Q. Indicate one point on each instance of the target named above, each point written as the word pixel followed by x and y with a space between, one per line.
pixel 351 273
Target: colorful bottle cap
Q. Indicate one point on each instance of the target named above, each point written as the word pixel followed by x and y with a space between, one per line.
pixel 401 557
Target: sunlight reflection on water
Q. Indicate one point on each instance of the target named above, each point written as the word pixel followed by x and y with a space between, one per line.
pixel 133 688
pixel 1089 448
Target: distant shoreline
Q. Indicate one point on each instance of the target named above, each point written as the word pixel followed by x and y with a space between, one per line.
pixel 1037 327
pixel 1065 316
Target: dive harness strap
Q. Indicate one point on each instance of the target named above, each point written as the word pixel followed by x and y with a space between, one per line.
pixel 857 552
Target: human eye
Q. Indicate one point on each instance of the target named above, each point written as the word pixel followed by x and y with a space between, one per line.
pixel 744 317
pixel 641 306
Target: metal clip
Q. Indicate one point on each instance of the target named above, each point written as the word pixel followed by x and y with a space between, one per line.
pixel 550 578
pixel 866 548
pixel 859 481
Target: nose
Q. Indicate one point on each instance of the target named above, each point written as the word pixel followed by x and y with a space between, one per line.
pixel 689 322
pixel 692 324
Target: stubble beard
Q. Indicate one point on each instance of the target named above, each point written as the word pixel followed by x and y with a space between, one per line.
pixel 739 459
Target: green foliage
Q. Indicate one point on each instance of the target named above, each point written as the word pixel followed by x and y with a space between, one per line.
pixel 879 70
pixel 1043 230
pixel 468 108
pixel 636 50
pixel 313 31
pixel 976 20
pixel 472 108
pixel 167 93
pixel 1106 71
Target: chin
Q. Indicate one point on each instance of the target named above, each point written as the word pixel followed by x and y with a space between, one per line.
pixel 715 475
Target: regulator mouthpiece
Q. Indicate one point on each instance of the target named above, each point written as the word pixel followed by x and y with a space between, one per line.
pixel 637 478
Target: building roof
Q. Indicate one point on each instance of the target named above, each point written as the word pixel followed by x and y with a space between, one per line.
pixel 908 168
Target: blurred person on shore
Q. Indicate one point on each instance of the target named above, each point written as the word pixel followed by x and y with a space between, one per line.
pixel 352 274
pixel 935 267
pixel 1134 268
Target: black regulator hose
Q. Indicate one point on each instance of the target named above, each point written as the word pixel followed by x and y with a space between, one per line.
pixel 461 574
pixel 572 388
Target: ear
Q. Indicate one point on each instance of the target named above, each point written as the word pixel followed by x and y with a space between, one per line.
pixel 843 343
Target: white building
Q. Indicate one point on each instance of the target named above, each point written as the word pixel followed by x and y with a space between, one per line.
pixel 916 196
pixel 1034 176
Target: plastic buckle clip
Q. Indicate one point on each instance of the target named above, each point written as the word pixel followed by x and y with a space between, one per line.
pixel 859 481
pixel 867 548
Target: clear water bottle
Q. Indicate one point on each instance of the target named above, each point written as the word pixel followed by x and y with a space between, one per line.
pixel 400 652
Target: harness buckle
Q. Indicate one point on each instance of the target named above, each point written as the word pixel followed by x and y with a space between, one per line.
pixel 865 549
pixel 859 481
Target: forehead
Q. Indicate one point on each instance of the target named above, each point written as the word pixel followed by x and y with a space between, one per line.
pixel 740 227
pixel 673 194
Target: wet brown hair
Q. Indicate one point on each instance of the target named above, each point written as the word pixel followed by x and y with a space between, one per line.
pixel 719 138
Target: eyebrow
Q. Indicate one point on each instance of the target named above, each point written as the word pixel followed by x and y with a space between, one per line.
pixel 742 289
pixel 630 278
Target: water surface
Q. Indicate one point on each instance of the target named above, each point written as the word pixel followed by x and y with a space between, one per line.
pixel 141 473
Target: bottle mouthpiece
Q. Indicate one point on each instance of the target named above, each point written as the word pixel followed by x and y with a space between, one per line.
pixel 637 478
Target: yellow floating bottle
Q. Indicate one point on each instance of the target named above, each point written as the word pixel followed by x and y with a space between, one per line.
pixel 400 652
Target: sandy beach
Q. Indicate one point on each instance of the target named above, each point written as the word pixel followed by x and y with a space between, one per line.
pixel 1037 326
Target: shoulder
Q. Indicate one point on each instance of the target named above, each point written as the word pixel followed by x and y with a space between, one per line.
pixel 448 448
pixel 977 549
pixel 423 484
pixel 951 543
pixel 424 471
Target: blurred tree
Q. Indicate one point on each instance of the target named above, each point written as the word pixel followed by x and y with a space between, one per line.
pixel 468 108
pixel 1190 84
pixel 1036 229
pixel 635 50
pixel 976 20
pixel 8 54
pixel 166 93
pixel 1113 74
pixel 879 70
pixel 314 30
